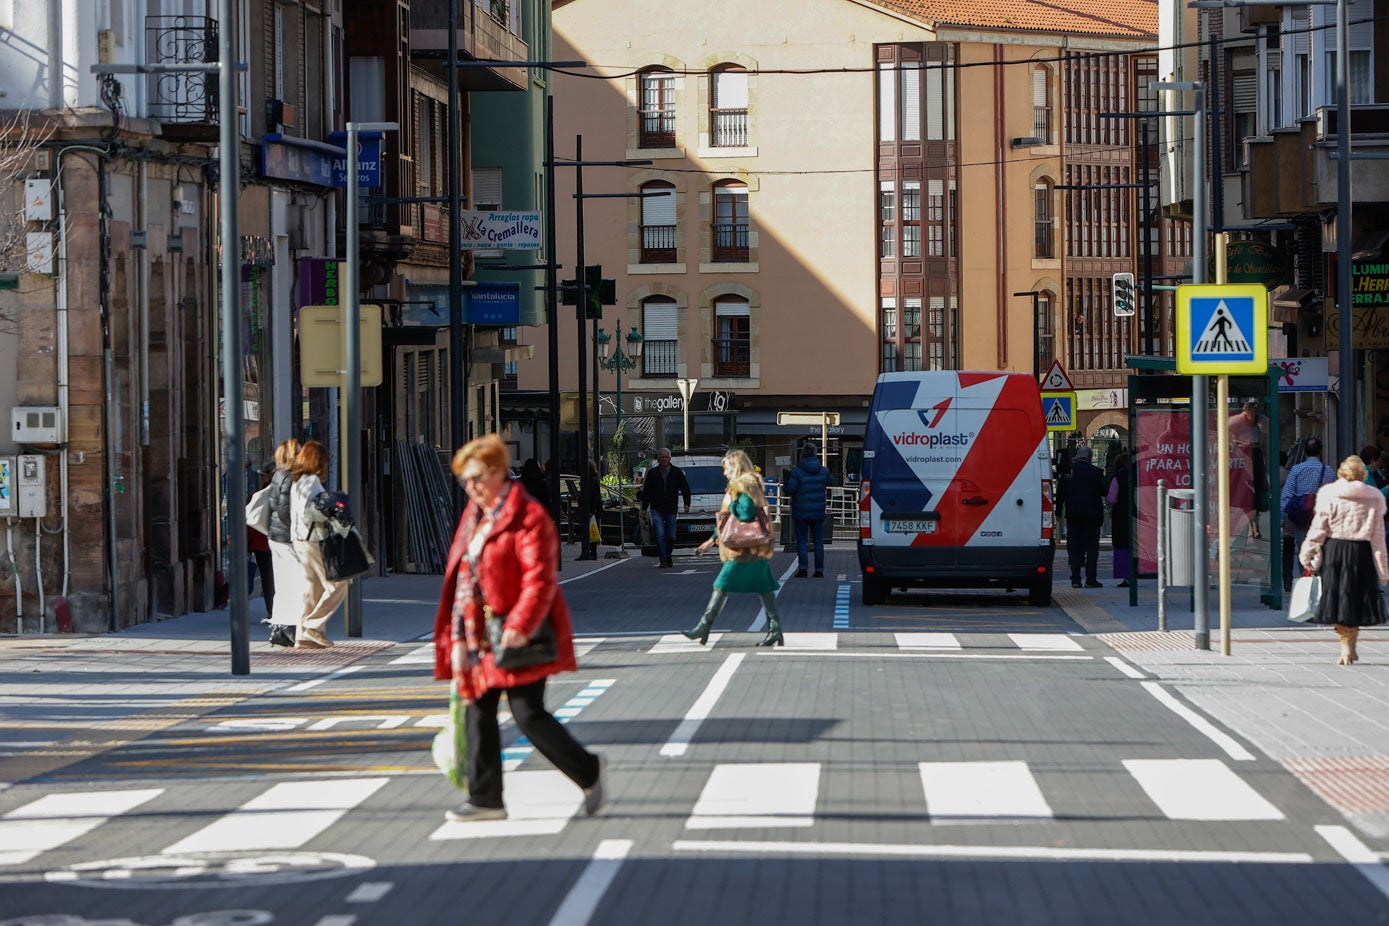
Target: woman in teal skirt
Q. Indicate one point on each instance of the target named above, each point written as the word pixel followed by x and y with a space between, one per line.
pixel 746 570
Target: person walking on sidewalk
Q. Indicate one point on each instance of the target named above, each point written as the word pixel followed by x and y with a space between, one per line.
pixel 324 595
pixel 503 564
pixel 1345 546
pixel 290 578
pixel 1084 501
pixel 748 569
pixel 806 485
pixel 661 492
pixel 1304 479
pixel 1118 499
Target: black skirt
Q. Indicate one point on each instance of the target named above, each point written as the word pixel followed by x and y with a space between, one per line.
pixel 1349 585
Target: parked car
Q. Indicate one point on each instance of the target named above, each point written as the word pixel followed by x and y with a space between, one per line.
pixel 619 520
pixel 707 485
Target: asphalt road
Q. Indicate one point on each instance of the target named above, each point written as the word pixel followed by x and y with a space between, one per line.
pixel 951 758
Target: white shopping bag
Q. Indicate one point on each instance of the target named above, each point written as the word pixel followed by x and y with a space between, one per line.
pixel 1306 593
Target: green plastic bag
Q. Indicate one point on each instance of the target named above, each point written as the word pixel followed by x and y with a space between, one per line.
pixel 451 744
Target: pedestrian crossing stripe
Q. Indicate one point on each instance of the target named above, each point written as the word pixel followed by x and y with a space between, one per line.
pixel 1222 329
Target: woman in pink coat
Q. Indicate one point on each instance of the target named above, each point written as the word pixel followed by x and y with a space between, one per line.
pixel 1345 546
pixel 503 562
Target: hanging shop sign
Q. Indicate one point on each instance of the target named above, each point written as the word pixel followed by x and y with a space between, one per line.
pixel 506 231
pixel 1370 284
pixel 1371 327
pixel 1302 374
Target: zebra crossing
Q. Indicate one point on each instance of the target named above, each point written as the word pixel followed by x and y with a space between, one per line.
pixel 286 816
pixel 940 642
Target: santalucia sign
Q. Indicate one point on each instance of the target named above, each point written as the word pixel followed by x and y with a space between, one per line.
pixel 508 231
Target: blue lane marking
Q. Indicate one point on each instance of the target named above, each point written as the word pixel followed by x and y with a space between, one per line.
pixel 841 608
pixel 521 750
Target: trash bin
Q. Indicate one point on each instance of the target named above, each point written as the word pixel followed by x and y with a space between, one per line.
pixel 1180 523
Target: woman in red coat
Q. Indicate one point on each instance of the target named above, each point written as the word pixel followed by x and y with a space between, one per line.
pixel 503 560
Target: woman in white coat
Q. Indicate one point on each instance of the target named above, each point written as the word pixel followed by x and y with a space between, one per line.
pixel 291 581
pixel 324 595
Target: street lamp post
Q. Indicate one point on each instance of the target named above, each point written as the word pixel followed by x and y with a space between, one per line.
pixel 619 361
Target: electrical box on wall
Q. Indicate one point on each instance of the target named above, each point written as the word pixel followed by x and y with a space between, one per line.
pixel 7 492
pixel 37 424
pixel 29 485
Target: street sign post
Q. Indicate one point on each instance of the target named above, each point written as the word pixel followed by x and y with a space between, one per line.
pixel 1059 410
pixel 1222 329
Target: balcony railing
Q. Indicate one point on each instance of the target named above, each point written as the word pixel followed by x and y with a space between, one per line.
pixel 1042 240
pixel 660 358
pixel 657 130
pixel 184 97
pixel 731 242
pixel 658 244
pixel 732 357
pixel 729 128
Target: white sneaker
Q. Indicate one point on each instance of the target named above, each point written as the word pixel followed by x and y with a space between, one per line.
pixel 596 794
pixel 469 813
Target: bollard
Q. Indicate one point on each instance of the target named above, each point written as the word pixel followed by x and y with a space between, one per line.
pixel 1162 554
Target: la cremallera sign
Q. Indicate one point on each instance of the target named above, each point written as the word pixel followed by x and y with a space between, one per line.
pixel 505 231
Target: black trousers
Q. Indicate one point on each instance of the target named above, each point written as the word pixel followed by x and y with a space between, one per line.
pixel 267 579
pixel 1083 547
pixel 540 727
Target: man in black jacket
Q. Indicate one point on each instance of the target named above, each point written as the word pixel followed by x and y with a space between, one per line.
pixel 660 493
pixel 1084 502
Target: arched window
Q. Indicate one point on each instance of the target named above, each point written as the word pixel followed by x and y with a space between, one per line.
pixel 658 225
pixel 660 330
pixel 1041 210
pixel 728 107
pixel 1041 103
pixel 730 221
pixel 656 112
pixel 732 337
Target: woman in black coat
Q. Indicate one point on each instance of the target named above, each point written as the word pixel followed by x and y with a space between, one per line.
pixel 1118 499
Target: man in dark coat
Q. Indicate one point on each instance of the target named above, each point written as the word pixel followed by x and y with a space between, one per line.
pixel 1084 500
pixel 661 492
pixel 806 487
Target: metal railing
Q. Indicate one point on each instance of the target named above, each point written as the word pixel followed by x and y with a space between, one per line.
pixel 731 242
pixel 188 96
pixel 732 357
pixel 660 358
pixel 841 512
pixel 728 128
pixel 658 244
pixel 657 129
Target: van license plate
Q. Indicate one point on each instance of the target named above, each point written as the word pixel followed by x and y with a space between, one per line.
pixel 911 527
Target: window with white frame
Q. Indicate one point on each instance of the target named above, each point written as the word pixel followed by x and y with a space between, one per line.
pixel 1041 103
pixel 909 75
pixel 659 231
pixel 887 102
pixel 728 107
pixel 656 109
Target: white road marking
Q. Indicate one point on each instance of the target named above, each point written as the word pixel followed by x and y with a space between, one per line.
pixel 759 623
pixel 56 819
pixel 679 643
pixel 756 795
pixel 583 898
pixel 381 721
pixel 285 817
pixel 1054 853
pixel 423 655
pixel 305 686
pixel 927 641
pixel 370 891
pixel 1199 789
pixel 594 572
pixel 1358 854
pixel 815 641
pixel 1124 667
pixel 1055 642
pixel 538 803
pixel 1029 657
pixel 965 791
pixel 1227 743
pixel 584 647
pixel 258 725
pixel 679 742
pixel 337 919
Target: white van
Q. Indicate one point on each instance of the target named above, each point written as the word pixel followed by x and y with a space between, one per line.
pixel 956 489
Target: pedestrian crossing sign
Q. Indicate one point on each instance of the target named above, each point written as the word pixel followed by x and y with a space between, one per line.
pixel 1059 410
pixel 1222 328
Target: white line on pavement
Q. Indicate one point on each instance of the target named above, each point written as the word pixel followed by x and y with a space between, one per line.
pixel 1124 667
pixel 1226 742
pixel 284 817
pixel 1045 641
pixel 55 819
pixel 760 622
pixel 592 572
pixel 337 919
pixel 929 640
pixel 757 795
pixel 1358 854
pixel 1199 789
pixel 370 891
pixel 305 686
pixel 680 740
pixel 1005 852
pixel 1030 657
pixel 583 898
pixel 965 791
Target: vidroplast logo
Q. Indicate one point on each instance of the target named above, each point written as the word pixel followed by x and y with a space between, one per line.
pixel 934 439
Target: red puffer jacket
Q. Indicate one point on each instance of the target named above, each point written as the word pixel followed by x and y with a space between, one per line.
pixel 517 573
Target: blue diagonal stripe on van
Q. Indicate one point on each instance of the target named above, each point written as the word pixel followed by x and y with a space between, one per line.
pixel 841 608
pixel 519 751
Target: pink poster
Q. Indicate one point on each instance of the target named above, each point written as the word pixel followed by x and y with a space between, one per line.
pixel 1162 450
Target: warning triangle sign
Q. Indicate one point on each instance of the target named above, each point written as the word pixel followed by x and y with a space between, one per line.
pixel 1057 414
pixel 1056 379
pixel 1222 335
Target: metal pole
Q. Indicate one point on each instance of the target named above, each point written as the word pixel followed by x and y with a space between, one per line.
pixel 597 392
pixel 229 194
pixel 458 387
pixel 580 279
pixel 352 374
pixel 1199 387
pixel 1222 468
pixel 618 357
pixel 1149 310
pixel 552 305
pixel 1345 420
pixel 1162 542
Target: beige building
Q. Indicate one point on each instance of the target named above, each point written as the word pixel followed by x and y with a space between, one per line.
pixel 851 188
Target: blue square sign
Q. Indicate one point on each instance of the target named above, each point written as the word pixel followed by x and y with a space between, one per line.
pixel 1222 329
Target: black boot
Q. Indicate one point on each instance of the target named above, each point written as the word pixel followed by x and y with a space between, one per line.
pixel 280 635
pixel 700 631
pixel 773 637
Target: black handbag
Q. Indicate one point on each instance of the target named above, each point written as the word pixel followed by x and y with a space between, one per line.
pixel 541 648
pixel 345 556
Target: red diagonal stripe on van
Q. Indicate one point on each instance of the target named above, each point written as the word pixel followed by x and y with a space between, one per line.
pixel 968 379
pixel 992 463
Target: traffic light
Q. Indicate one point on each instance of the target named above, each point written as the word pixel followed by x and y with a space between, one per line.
pixel 1123 295
pixel 599 292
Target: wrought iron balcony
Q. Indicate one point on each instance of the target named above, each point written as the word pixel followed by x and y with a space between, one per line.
pixel 660 358
pixel 185 98
pixel 657 129
pixel 731 242
pixel 658 243
pixel 732 357
pixel 729 128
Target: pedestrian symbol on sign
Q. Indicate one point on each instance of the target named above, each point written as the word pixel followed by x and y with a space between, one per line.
pixel 1222 328
pixel 1222 335
pixel 1057 413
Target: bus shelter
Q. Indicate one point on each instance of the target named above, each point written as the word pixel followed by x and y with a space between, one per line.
pixel 1160 429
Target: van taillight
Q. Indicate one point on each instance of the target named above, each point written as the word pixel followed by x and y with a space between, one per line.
pixel 1047 509
pixel 865 511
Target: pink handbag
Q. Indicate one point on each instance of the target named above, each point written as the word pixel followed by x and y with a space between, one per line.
pixel 742 535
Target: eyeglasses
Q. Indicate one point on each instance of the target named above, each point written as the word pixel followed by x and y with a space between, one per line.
pixel 475 477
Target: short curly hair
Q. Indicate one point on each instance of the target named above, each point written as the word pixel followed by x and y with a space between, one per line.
pixel 487 450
